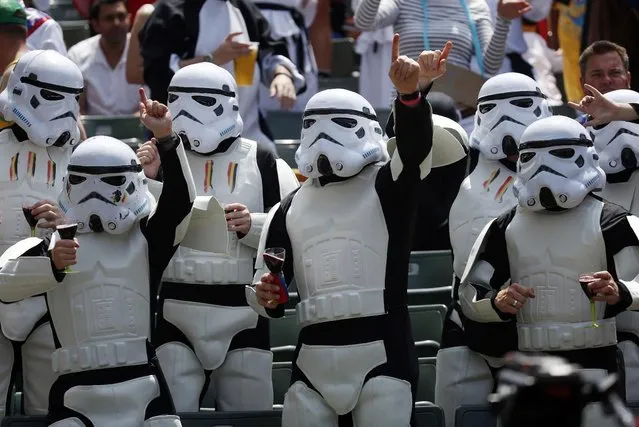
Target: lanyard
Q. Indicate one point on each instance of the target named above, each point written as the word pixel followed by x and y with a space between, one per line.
pixel 473 30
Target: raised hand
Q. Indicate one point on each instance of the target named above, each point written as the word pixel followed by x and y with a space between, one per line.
pixel 155 116
pixel 602 110
pixel 149 158
pixel 513 9
pixel 64 253
pixel 432 64
pixel 229 50
pixel 404 72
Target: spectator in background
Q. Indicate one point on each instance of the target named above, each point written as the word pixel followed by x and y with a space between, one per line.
pixel 516 45
pixel 134 63
pixel 102 59
pixel 13 42
pixel 572 14
pixel 321 34
pixel 289 20
pixel 605 66
pixel 185 32
pixel 43 32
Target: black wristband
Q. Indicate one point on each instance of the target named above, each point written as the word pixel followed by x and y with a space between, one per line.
pixel 409 96
pixel 284 74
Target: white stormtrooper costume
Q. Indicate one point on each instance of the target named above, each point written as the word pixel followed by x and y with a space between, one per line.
pixel 101 313
pixel 289 20
pixel 40 106
pixel 558 231
pixel 347 244
pixel 507 103
pixel 204 324
pixel 617 145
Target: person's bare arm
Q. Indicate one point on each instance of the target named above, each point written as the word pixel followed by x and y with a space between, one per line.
pixel 134 63
pixel 83 102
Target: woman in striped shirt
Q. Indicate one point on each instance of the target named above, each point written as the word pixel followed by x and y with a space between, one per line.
pixel 467 23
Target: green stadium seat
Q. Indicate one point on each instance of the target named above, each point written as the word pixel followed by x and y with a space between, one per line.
pixel 74 31
pixel 282 372
pixel 63 10
pixel 283 333
pixel 430 269
pixel 24 421
pixel 427 374
pixel 286 149
pixel 284 124
pixel 475 416
pixel 441 295
pixel 348 83
pixel 429 415
pixel 120 127
pixel 427 348
pixel 343 57
pixel 427 321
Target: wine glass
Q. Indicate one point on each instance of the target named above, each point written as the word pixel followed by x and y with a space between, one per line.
pixel 584 280
pixel 274 260
pixel 67 232
pixel 31 219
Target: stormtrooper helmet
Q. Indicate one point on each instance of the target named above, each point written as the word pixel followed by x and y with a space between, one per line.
pixel 42 98
pixel 617 143
pixel 340 135
pixel 203 104
pixel 105 188
pixel 557 166
pixel 506 105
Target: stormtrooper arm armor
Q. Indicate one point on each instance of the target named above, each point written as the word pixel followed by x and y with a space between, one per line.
pixel 621 236
pixel 271 52
pixel 278 180
pixel 273 235
pixel 166 226
pixel 487 271
pixel 26 270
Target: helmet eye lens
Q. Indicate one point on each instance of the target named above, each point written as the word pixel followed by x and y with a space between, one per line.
pixel 116 181
pixel 526 157
pixel 563 153
pixel 484 108
pixel 51 96
pixel 207 101
pixel 522 103
pixel 76 179
pixel 345 122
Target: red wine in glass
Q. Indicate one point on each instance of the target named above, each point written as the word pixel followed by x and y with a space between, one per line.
pixel 584 281
pixel 31 219
pixel 67 232
pixel 274 260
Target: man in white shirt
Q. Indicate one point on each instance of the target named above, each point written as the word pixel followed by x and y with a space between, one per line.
pixel 43 32
pixel 102 59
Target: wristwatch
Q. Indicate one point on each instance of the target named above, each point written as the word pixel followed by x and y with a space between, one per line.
pixel 409 96
pixel 208 58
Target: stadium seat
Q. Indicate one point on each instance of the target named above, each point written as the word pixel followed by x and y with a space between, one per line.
pixel 24 421
pixel 74 31
pixel 429 415
pixel 426 348
pixel 285 124
pixel 63 10
pixel 343 57
pixel 475 416
pixel 430 296
pixel 121 127
pixel 281 380
pixel 430 269
pixel 427 374
pixel 348 83
pixel 286 149
pixel 283 333
pixel 232 419
pixel 427 321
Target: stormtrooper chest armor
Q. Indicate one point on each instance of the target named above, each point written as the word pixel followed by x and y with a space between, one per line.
pixel 101 312
pixel 624 193
pixel 558 318
pixel 231 177
pixel 485 194
pixel 339 239
pixel 29 173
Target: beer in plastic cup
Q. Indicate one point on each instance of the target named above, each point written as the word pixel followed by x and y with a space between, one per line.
pixel 245 66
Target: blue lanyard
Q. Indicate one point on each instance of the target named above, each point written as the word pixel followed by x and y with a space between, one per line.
pixel 473 30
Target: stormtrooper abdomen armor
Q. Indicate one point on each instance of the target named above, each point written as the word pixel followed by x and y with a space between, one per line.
pixel 231 177
pixel 339 266
pixel 558 317
pixel 101 311
pixel 30 173
pixel 485 194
